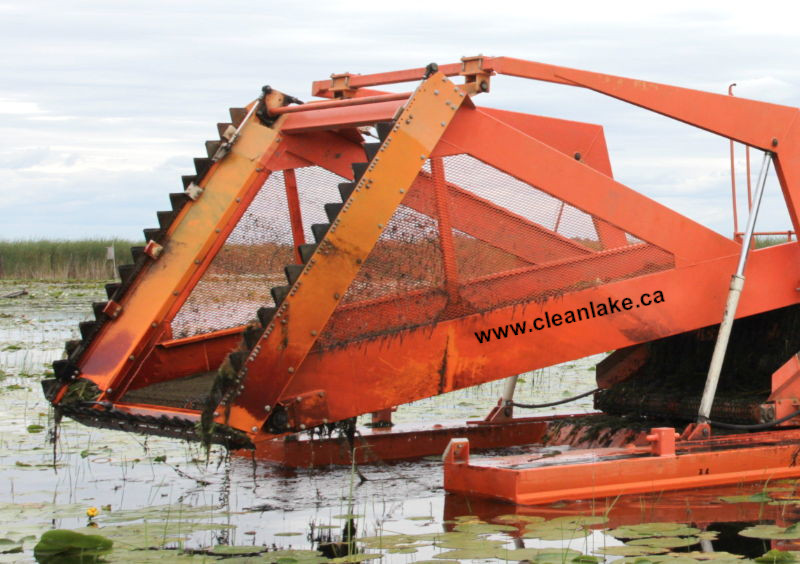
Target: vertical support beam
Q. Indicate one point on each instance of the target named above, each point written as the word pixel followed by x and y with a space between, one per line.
pixel 558 217
pixel 733 181
pixel 610 236
pixel 445 229
pixel 749 182
pixel 733 197
pixel 298 236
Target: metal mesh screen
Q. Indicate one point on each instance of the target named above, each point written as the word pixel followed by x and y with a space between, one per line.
pixel 504 242
pixel 251 261
pixel 316 187
pixel 399 284
pixel 507 243
pixel 533 245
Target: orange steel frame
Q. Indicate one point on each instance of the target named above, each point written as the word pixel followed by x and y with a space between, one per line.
pixel 603 472
pixel 565 159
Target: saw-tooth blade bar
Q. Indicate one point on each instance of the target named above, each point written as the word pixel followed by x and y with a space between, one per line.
pixel 279 294
pixel 345 189
pixel 307 251
pixel 212 146
pixel 252 334
pixel 237 116
pixel 128 272
pixel 293 272
pixel 112 289
pixel 319 230
pixel 265 315
pixel 137 252
pixel 332 211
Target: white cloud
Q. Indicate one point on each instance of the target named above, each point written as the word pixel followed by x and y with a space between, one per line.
pixel 112 100
pixel 18 107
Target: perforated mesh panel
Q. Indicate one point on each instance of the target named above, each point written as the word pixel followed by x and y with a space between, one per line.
pixel 532 245
pixel 508 243
pixel 316 187
pixel 399 284
pixel 251 262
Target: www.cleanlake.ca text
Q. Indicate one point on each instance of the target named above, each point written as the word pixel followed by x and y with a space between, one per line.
pixel 590 311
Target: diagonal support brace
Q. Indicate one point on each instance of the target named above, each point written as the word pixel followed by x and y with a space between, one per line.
pixel 302 316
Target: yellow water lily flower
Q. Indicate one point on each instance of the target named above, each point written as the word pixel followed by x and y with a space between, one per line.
pixel 92 512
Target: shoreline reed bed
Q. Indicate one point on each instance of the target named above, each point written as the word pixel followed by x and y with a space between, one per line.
pixel 50 259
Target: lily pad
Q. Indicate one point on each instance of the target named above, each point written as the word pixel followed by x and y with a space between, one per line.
pixel 583 520
pixel 629 550
pixel 772 532
pixel 161 556
pixel 12 548
pixel 554 530
pixel 402 550
pixel 516 554
pixel 387 541
pixel 232 549
pixel 148 535
pixel 356 558
pixel 468 542
pixel 697 555
pixel 468 554
pixel 512 518
pixel 557 556
pixel 645 530
pixel 664 542
pixel 305 556
pixel 543 555
pixel 483 528
pixel 61 544
pixel 167 513
pixel 776 557
pixel 660 559
pixel 470 518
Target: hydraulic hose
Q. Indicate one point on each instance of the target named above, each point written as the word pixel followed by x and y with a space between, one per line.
pixel 553 403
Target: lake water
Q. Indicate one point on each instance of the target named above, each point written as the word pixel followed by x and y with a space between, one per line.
pixel 165 500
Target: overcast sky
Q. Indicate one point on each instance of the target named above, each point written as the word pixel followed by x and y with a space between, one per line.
pixel 103 105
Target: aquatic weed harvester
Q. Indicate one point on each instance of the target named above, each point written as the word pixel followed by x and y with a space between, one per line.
pixel 344 256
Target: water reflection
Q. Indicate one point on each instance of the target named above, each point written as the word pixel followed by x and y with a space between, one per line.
pixel 776 503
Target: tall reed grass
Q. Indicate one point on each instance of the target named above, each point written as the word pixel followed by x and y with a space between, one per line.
pixel 62 260
pixel 770 240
